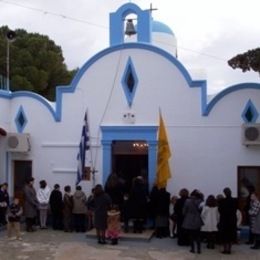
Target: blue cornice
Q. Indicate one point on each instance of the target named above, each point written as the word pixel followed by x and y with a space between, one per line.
pixel 56 108
pixel 231 89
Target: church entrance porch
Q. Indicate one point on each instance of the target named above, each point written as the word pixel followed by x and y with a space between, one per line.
pixel 131 151
pixel 129 160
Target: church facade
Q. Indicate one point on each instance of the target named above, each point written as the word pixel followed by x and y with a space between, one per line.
pixel 214 143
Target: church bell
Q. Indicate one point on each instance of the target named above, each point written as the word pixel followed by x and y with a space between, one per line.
pixel 130 29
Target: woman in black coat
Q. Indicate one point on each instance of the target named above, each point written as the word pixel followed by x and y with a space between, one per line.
pixel 138 204
pixel 102 203
pixel 162 204
pixel 227 220
pixel 183 238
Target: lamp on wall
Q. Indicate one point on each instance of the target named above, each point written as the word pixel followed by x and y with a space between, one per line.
pixel 130 29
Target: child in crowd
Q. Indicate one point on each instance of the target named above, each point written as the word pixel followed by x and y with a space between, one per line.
pixel 113 224
pixel 14 215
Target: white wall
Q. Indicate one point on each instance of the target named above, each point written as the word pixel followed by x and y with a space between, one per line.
pixel 205 150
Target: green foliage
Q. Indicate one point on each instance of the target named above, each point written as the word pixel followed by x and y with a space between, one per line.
pixel 249 60
pixel 36 63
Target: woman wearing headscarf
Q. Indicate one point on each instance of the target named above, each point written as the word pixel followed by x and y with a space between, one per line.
pixel 102 203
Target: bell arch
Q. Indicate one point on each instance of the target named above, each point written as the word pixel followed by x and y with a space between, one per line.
pixel 117 24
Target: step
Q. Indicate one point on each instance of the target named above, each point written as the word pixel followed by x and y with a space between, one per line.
pixel 146 235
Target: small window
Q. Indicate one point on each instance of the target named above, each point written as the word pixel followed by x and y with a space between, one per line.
pixel 250 113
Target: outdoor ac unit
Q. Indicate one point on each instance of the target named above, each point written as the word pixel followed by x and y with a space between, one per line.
pixel 18 143
pixel 251 134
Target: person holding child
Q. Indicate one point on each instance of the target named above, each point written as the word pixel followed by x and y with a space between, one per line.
pixel 14 213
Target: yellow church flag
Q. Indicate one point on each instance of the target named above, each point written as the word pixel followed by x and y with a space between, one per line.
pixel 163 154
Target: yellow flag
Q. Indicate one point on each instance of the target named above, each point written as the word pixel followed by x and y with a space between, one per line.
pixel 163 155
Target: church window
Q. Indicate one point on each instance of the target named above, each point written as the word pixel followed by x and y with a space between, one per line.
pixel 250 113
pixel 129 82
pixel 20 120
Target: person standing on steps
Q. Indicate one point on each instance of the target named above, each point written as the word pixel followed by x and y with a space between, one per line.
pixel 102 203
pixel 113 224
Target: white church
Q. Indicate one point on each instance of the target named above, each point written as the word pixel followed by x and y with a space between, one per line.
pixel 214 143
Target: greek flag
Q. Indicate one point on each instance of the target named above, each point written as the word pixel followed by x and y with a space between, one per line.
pixel 83 148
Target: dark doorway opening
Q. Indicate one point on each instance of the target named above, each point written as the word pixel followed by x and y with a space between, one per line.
pixel 129 160
pixel 248 181
pixel 22 172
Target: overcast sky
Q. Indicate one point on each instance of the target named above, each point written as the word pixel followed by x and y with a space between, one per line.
pixel 208 32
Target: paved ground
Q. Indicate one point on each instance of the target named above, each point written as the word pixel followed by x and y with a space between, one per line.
pixel 57 245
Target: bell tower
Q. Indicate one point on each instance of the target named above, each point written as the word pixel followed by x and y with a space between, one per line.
pixel 143 26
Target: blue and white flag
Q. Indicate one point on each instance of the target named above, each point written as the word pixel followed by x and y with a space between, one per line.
pixel 83 148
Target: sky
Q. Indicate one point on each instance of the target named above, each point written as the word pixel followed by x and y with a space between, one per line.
pixel 208 33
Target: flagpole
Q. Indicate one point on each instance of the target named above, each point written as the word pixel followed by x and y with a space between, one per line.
pixel 93 169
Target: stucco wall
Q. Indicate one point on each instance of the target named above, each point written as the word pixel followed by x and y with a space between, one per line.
pixel 206 150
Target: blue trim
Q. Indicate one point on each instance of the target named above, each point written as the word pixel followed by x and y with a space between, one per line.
pixel 56 110
pixel 20 127
pixel 117 19
pixel 161 27
pixel 214 101
pixel 145 133
pixel 129 69
pixel 250 105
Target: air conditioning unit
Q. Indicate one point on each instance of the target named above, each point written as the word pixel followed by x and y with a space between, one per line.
pixel 19 143
pixel 251 134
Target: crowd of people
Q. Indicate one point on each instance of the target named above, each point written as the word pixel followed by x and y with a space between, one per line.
pixel 188 217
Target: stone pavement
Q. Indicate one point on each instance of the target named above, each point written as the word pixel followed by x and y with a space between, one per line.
pixel 57 245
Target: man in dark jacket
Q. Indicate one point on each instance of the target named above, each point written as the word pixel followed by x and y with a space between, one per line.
pixel 30 204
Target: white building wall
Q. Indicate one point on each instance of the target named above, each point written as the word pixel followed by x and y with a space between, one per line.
pixel 206 150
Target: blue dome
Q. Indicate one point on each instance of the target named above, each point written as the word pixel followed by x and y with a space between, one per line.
pixel 161 27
